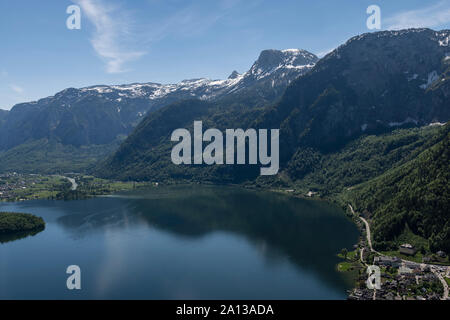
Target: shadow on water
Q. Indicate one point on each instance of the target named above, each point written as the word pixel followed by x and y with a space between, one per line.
pixel 9 237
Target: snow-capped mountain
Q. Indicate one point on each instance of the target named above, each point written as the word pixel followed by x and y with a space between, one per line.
pixel 98 114
pixel 281 67
pixel 373 84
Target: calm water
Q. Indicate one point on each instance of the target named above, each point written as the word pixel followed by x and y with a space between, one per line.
pixel 180 243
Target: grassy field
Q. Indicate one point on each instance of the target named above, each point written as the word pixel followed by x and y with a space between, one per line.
pixel 20 187
pixel 90 186
pixel 345 266
pixel 94 185
pixel 351 265
pixel 416 258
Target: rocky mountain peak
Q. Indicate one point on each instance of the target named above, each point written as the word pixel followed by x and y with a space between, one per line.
pixel 234 75
pixel 273 60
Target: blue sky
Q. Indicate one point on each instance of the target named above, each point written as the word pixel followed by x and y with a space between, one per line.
pixel 170 40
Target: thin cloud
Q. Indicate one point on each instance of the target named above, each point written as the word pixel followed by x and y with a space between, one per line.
pixel 192 20
pixel 112 39
pixel 17 89
pixel 429 17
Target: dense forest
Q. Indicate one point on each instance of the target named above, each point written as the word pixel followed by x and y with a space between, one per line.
pixel 414 196
pixel 11 222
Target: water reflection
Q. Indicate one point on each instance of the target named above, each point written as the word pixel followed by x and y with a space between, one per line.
pixel 135 241
pixel 9 237
pixel 308 233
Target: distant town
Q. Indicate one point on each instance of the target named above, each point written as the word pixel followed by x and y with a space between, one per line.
pixel 70 186
pixel 406 280
pixel 19 187
pixel 401 278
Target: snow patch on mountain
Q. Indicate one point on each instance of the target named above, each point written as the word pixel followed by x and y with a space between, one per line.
pixel 413 77
pixel 406 121
pixel 269 64
pixel 445 41
pixel 433 124
pixel 432 77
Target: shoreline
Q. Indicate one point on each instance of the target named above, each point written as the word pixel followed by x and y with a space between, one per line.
pixel 350 265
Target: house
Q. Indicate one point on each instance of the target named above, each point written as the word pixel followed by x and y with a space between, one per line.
pixel 388 261
pixel 407 249
pixel 426 259
pixel 404 270
pixel 441 254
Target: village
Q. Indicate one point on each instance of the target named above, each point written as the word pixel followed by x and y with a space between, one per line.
pixel 20 187
pixel 405 280
pixel 400 277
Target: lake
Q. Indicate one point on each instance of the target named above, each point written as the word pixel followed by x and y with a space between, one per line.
pixel 183 242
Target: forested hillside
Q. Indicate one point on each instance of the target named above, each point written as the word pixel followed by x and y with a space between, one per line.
pixel 414 196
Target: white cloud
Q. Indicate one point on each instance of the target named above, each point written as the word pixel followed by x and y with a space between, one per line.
pixel 116 37
pixel 112 39
pixel 429 17
pixel 16 88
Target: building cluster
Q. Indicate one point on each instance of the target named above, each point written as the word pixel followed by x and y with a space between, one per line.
pixel 12 183
pixel 403 280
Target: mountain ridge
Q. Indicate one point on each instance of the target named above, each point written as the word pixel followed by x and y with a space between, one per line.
pixel 360 88
pixel 99 114
pixel 372 83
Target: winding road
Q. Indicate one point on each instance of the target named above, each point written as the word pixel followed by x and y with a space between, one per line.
pixel 444 283
pixel 73 182
pixel 433 268
pixel 361 252
pixel 369 237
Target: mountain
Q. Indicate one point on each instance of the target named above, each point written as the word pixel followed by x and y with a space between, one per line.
pixel 97 115
pixel 411 199
pixel 360 160
pixel 51 157
pixel 3 114
pixel 364 126
pixel 372 84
